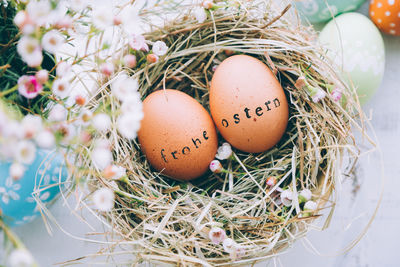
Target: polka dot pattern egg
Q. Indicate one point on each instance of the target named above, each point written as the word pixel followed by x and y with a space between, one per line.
pixel 386 15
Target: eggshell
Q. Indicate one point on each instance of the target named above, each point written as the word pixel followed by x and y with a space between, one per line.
pixel 360 54
pixel 386 15
pixel 42 176
pixel 248 104
pixel 177 134
pixel 317 11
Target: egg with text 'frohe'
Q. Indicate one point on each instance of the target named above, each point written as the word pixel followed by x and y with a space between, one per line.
pixel 386 15
pixel 356 46
pixel 317 11
pixel 248 104
pixel 177 134
pixel 41 181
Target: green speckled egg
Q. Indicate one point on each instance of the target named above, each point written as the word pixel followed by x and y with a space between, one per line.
pixel 356 46
pixel 317 11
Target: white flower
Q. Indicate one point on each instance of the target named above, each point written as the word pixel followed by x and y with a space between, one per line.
pixel 318 96
pixel 224 151
pixel 39 11
pixel 336 94
pixel 31 125
pixel 17 170
pixel 130 19
pixel 306 194
pixel 104 199
pixel 52 41
pixel 13 130
pixel 67 131
pixel 101 158
pixel 310 205
pixel 133 105
pixel 200 14
pixel 21 258
pixel 25 152
pixel 21 19
pixel 42 76
pixel 63 68
pixel 78 5
pixel 107 68
pixel 29 87
pixel 207 4
pixel 30 51
pixel 101 122
pixel 217 235
pixel 114 172
pixel 123 86
pixel 287 197
pixel 130 61
pixel 215 166
pixel 229 245
pixel 160 48
pixel 45 139
pixel 61 88
pixel 58 113
pixel 138 42
pixel 128 125
pixel 102 143
pixel 102 17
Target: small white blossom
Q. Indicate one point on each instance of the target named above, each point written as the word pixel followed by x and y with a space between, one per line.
pixel 101 122
pixel 25 152
pixel 101 158
pixel 160 48
pixel 207 4
pixel 287 197
pixel 45 139
pixel 78 5
pixel 217 235
pixel 102 143
pixel 31 125
pixel 224 151
pixel 17 170
pixel 128 126
pixel 107 69
pixel 52 41
pixel 114 172
pixel 138 42
pixel 42 76
pixel 58 113
pixel 200 14
pixel 102 17
pixel 104 199
pixel 29 87
pixel 21 258
pixel 30 51
pixel 310 205
pixel 61 88
pixel 21 19
pixel 13 130
pixel 215 166
pixel 318 96
pixel 63 68
pixel 336 94
pixel 229 245
pixel 306 194
pixel 39 11
pixel 130 61
pixel 133 105
pixel 123 86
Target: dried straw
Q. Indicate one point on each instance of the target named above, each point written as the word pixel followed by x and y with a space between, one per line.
pixel 165 221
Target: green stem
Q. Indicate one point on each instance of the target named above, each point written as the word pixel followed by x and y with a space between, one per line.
pixel 11 236
pixel 6 92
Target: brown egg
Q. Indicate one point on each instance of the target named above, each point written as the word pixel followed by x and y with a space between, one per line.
pixel 177 134
pixel 386 15
pixel 248 104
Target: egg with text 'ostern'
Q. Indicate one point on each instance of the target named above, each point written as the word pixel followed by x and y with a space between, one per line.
pixel 248 104
pixel 177 134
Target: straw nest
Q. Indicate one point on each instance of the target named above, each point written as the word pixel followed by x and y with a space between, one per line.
pixel 162 220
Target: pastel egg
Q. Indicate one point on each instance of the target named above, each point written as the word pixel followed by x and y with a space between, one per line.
pixel 248 104
pixel 177 134
pixel 360 54
pixel 41 179
pixel 386 15
pixel 317 11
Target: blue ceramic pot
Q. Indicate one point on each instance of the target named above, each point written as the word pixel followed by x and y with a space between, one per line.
pixel 41 180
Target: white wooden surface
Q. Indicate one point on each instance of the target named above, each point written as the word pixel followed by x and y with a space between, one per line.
pixel 379 247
